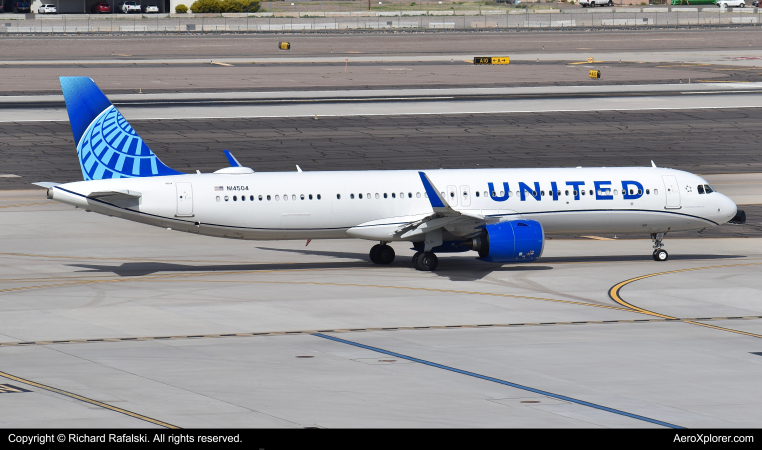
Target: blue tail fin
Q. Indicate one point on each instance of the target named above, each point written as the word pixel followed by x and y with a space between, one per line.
pixel 107 145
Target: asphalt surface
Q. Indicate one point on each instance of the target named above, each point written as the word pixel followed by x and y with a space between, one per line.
pixel 699 141
pixel 356 44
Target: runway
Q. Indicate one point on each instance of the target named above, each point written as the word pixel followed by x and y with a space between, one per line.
pixel 107 323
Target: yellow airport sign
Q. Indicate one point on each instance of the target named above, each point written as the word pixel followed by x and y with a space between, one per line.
pixel 595 74
pixel 284 46
pixel 492 60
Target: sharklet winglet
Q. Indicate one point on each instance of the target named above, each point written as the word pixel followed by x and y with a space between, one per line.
pixel 438 203
pixel 231 159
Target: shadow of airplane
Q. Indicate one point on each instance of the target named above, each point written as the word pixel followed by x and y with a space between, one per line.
pixel 454 268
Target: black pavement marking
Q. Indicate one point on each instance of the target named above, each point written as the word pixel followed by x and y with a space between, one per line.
pixel 355 330
pixel 11 389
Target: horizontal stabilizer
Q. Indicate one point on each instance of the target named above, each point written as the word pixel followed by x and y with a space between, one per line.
pixel 113 195
pixel 46 184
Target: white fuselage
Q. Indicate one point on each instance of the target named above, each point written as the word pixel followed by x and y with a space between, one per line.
pixel 368 204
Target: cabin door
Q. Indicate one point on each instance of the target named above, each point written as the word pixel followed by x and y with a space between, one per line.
pixel 672 190
pixel 184 199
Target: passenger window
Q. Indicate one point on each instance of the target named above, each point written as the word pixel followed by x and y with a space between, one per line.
pixel 648 191
pixel 542 193
pixel 409 195
pixel 486 194
pixel 377 196
pixel 277 198
pixel 338 196
pixel 368 195
pixel 477 193
pixel 591 192
pixel 656 191
pixel 251 198
pixel 235 197
pixel 301 196
pixel 510 194
pixel 351 196
pixel 385 195
pixel 285 197
pixel 700 189
pixel 218 198
pixel 583 192
pixel 494 194
pixel 293 197
pixel 268 198
pixel 394 195
pixel 708 189
pixel 310 197
pixel 640 192
pixel 418 195
pixel 227 198
pixel 575 192
pixel 452 194
pixel 616 192
pixel 243 198
pixel 502 193
pixel 566 193
pixel 318 196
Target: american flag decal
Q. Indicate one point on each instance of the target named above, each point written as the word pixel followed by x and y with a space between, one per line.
pixel 218 188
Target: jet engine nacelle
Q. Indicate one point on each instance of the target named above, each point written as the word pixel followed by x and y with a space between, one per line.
pixel 511 241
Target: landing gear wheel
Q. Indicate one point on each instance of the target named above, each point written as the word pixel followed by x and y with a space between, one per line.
pixel 610 3
pixel 661 255
pixel 415 258
pixel 427 262
pixel 384 255
pixel 381 254
pixel 374 253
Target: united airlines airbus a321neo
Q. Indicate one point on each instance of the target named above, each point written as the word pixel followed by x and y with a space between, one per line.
pixel 503 214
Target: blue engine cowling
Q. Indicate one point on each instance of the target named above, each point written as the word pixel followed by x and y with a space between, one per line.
pixel 511 241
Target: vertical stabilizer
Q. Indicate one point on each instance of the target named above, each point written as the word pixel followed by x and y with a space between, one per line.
pixel 107 145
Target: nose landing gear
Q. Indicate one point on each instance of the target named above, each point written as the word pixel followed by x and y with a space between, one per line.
pixel 382 254
pixel 659 253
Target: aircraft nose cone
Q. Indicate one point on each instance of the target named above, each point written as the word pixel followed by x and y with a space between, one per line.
pixel 726 208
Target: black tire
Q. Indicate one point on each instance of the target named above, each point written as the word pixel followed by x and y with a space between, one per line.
pixel 610 3
pixel 384 254
pixel 592 4
pixel 374 254
pixel 427 262
pixel 660 255
pixel 415 258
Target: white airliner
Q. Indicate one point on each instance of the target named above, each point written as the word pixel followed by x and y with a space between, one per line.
pixel 503 214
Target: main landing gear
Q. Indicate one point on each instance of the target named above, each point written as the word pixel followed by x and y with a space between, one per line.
pixel 425 261
pixel 659 253
pixel 382 254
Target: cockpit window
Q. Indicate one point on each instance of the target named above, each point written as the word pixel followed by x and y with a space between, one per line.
pixel 700 189
pixel 708 189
